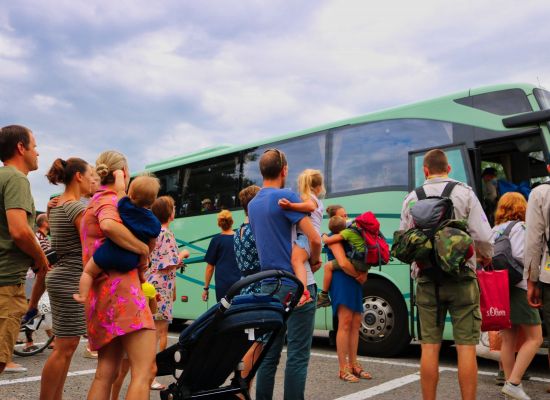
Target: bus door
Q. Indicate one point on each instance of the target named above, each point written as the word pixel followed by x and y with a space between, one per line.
pixel 461 170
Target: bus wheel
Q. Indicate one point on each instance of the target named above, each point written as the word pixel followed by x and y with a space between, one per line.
pixel 384 328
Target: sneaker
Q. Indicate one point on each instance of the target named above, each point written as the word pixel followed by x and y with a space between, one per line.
pixel 500 379
pixel 515 392
pixel 323 300
pixel 28 316
pixel 89 354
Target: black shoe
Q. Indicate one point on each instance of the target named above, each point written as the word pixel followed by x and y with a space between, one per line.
pixel 29 316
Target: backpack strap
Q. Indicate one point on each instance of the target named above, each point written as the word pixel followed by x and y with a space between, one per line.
pixel 420 193
pixel 448 189
pixel 509 228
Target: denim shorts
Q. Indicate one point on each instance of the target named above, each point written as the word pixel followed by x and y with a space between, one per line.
pixel 303 243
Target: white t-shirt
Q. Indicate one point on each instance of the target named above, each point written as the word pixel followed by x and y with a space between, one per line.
pixel 517 241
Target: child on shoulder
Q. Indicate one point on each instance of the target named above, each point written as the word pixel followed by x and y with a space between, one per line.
pixel 354 247
pixel 136 215
pixel 310 187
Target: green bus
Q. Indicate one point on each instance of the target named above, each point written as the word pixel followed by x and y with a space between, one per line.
pixel 369 163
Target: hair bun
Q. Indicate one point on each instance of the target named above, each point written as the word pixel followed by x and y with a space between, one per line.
pixel 102 170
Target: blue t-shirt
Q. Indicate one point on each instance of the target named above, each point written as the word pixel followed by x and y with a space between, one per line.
pixel 221 254
pixel 272 227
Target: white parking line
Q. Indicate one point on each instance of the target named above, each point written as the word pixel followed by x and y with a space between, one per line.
pixel 37 378
pixel 382 388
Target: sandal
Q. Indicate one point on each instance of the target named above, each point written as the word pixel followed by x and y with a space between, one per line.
pixel 359 372
pixel 157 386
pixel 346 376
pixel 306 298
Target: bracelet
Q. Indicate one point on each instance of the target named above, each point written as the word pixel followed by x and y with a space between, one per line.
pixel 206 288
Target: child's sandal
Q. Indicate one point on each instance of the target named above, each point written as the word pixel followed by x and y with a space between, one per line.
pixel 359 372
pixel 306 298
pixel 346 376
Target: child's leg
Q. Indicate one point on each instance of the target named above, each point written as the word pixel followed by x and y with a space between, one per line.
pixel 298 259
pixel 327 277
pixel 91 271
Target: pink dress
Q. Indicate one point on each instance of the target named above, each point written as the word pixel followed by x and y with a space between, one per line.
pixel 116 304
pixel 160 276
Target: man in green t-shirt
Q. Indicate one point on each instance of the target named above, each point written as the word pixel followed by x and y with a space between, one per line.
pixel 19 248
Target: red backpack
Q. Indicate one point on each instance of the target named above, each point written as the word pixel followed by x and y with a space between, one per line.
pixel 377 249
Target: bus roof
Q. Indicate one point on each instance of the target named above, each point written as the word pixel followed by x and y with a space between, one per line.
pixel 436 108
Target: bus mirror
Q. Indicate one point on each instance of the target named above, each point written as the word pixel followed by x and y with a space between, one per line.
pixel 525 119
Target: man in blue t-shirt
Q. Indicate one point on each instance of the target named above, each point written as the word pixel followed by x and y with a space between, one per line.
pixel 274 230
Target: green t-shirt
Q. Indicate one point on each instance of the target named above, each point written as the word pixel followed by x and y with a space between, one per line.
pixel 15 192
pixel 354 239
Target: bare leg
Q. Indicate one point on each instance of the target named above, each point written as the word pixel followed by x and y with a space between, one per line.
pixel 354 337
pixel 429 370
pixel 56 368
pixel 527 351
pixel 140 347
pixel 298 259
pixel 117 384
pixel 467 370
pixel 108 367
pixel 345 317
pixel 91 271
pixel 162 333
pixel 327 277
pixel 508 350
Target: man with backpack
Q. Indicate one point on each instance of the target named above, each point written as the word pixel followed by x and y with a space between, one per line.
pixel 450 218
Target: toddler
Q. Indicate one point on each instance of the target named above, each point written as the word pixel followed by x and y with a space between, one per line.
pixel 310 187
pixel 136 215
pixel 354 245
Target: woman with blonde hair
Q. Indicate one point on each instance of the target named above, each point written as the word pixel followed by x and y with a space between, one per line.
pixel 118 319
pixel 511 209
pixel 220 256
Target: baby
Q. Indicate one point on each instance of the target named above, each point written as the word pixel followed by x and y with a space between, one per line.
pixel 136 215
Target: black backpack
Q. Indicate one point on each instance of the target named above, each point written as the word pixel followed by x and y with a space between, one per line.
pixel 503 259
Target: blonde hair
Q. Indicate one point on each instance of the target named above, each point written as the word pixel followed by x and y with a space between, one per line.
pixel 512 206
pixel 225 220
pixel 143 190
pixel 108 162
pixel 309 179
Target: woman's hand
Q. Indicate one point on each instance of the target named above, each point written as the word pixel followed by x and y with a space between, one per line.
pixel 120 182
pixel 361 277
pixel 205 294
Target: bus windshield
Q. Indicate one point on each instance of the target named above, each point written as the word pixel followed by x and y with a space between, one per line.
pixel 543 98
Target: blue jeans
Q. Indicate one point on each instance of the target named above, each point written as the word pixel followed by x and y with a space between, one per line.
pixel 299 329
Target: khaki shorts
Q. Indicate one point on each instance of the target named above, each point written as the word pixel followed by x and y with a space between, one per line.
pixel 13 305
pixel 460 299
pixel 358 265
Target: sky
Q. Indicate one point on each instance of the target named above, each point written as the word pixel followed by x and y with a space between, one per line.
pixel 159 79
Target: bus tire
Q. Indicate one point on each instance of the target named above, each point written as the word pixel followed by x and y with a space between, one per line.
pixel 384 330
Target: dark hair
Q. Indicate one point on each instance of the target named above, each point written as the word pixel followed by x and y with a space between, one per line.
pixel 246 195
pixel 272 163
pixel 162 208
pixel 331 210
pixel 63 171
pixel 436 161
pixel 10 137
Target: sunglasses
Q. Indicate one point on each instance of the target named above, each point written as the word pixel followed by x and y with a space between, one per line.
pixel 280 153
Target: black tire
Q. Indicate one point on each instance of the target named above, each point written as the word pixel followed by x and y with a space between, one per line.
pixel 43 342
pixel 384 328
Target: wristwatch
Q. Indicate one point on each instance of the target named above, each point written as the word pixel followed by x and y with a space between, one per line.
pixel 206 288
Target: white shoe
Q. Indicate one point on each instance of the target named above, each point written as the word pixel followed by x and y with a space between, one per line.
pixel 17 368
pixel 515 392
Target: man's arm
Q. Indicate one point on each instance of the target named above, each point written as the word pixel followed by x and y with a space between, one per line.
pixel 307 227
pixel 24 238
pixel 406 221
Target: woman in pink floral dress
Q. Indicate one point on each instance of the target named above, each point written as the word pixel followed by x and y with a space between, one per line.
pixel 117 316
pixel 165 259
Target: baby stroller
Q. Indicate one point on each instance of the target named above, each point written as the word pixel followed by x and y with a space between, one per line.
pixel 212 348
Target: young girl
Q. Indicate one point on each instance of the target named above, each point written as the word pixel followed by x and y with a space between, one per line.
pixel 136 215
pixel 310 187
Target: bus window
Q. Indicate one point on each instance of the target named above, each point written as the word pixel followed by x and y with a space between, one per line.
pixel 501 102
pixel 301 153
pixel 374 155
pixel 455 155
pixel 170 185
pixel 543 98
pixel 210 186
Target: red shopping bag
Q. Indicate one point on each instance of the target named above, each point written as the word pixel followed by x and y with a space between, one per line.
pixel 495 300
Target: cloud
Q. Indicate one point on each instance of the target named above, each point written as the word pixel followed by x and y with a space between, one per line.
pixel 45 103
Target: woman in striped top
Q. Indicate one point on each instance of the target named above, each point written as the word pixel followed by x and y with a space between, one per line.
pixel 61 282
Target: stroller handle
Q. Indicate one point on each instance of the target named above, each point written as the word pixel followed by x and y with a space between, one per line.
pixel 278 274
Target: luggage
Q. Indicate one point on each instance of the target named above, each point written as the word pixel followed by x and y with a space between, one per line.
pixel 377 251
